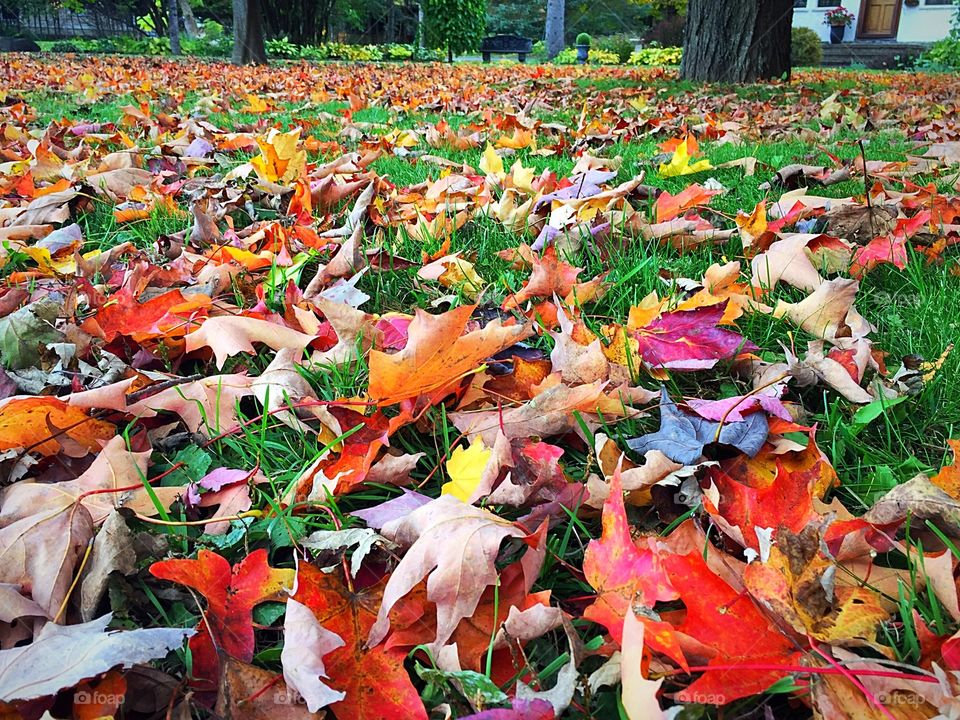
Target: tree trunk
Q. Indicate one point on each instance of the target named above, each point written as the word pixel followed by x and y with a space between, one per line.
pixel 737 40
pixel 553 33
pixel 248 43
pixel 189 20
pixel 421 41
pixel 173 25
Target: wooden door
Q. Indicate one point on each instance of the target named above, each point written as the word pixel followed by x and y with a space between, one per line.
pixel 878 18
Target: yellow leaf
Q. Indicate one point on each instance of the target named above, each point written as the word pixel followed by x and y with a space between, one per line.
pixel 280 160
pixel 522 177
pixel 465 468
pixel 492 164
pixel 680 163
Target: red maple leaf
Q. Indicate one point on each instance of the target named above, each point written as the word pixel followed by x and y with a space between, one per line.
pixel 231 593
pixel 376 684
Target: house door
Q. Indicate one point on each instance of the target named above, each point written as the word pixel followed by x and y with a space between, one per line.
pixel 878 18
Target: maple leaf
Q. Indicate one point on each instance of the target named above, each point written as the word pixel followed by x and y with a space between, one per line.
pixel 207 405
pixel 60 657
pixel 828 313
pixel 727 622
pixel 280 161
pixel 240 695
pixel 948 479
pixel 880 250
pixel 305 642
pixel 48 425
pixel 550 276
pixel 624 573
pixel 466 468
pixel 454 546
pixel 670 206
pixel 231 593
pixel 550 412
pixel 680 162
pixel 437 354
pixel 795 582
pixel 770 490
pixel 682 437
pixel 230 335
pixel 373 680
pixel 164 315
pixel 689 339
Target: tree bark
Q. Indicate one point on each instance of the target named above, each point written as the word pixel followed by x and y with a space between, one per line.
pixel 248 43
pixel 553 33
pixel 173 25
pixel 737 40
pixel 189 20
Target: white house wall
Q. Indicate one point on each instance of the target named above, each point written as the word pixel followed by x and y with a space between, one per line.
pixel 925 23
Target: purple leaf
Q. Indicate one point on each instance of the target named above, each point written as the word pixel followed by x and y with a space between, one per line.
pixel 689 339
pixel 198 148
pixel 521 710
pixel 733 409
pixel 221 477
pixel 379 515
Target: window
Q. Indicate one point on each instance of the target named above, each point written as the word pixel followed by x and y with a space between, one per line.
pixel 828 3
pixel 800 4
pixel 939 2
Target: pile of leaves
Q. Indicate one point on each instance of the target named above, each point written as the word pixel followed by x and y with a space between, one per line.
pixel 247 471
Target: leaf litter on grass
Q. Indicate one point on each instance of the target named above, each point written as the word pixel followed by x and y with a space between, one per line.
pixel 373 369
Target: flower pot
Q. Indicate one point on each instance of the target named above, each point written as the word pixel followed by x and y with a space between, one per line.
pixel 583 52
pixel 836 33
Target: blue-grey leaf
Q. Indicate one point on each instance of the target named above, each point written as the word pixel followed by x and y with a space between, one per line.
pixel 682 437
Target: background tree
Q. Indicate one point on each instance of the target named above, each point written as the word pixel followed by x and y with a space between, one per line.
pixel 248 42
pixel 553 34
pixel 456 26
pixel 173 24
pixel 737 40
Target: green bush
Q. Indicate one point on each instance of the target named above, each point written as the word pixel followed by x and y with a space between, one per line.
pixel 282 48
pixel 806 49
pixel 583 39
pixel 657 56
pixel 619 45
pixel 568 56
pixel 942 55
pixel 64 46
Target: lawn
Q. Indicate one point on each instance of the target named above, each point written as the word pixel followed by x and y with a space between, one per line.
pixel 423 328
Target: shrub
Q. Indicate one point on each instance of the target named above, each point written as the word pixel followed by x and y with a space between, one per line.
pixel 282 48
pixel 668 32
pixel 64 46
pixel 657 56
pixel 568 56
pixel 942 55
pixel 806 49
pixel 619 45
pixel 583 39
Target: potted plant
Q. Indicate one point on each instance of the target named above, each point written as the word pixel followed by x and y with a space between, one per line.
pixel 583 48
pixel 838 18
